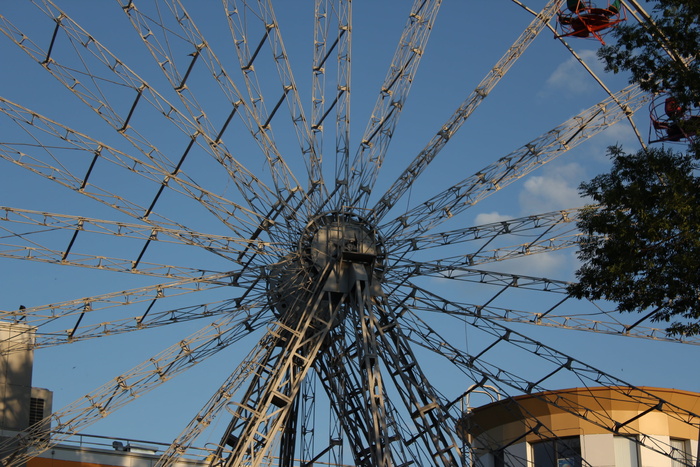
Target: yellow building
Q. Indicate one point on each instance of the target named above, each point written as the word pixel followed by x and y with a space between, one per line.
pixel 532 431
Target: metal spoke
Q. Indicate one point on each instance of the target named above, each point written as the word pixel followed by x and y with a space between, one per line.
pixel 146 320
pixel 75 182
pixel 479 276
pixel 178 148
pixel 646 20
pixel 38 316
pixel 538 246
pixel 326 17
pixel 238 219
pixel 595 77
pixel 423 335
pixel 99 90
pixel 561 361
pixel 392 97
pixel 222 245
pixel 40 253
pixel 257 358
pixel 421 162
pixel 59 142
pixel 606 324
pixel 258 17
pixel 517 164
pixel 156 34
pixel 125 388
pixel 487 232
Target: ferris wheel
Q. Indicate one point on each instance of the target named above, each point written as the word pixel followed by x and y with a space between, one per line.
pixel 185 165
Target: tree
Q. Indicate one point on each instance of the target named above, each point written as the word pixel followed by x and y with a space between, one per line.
pixel 660 56
pixel 641 243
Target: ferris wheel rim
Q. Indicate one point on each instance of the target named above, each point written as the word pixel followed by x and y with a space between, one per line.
pixel 284 211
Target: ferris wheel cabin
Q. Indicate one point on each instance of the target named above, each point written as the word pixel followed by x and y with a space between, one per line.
pixel 583 18
pixel 671 121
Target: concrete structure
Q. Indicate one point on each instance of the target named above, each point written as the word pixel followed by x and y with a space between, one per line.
pixel 21 405
pixel 98 451
pixel 527 431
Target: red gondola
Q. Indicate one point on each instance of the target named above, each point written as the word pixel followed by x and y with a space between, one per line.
pixel 584 19
pixel 672 122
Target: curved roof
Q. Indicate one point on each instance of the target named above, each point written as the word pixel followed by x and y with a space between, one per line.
pixel 649 410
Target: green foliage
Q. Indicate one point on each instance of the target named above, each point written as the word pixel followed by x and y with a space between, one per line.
pixel 639 50
pixel 641 246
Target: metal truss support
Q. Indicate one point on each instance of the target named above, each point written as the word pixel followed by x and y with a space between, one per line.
pixel 373 383
pixel 339 368
pixel 427 409
pixel 260 414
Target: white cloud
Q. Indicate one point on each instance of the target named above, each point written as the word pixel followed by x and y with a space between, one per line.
pixel 556 264
pixel 572 77
pixel 491 217
pixel 556 188
pixel 618 134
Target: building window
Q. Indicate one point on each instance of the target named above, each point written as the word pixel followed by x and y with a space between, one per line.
pixel 491 459
pixel 36 410
pixel 560 452
pixel 499 458
pixel 626 452
pixel 680 452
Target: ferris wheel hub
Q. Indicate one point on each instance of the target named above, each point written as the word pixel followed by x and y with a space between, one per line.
pixel 342 238
pixel 342 250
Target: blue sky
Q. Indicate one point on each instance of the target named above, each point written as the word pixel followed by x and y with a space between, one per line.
pixel 543 89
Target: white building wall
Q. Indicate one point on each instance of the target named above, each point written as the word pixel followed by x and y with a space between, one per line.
pixel 485 460
pixel 650 458
pixel 519 455
pixel 694 448
pixel 598 450
pixel 16 361
pixel 110 458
